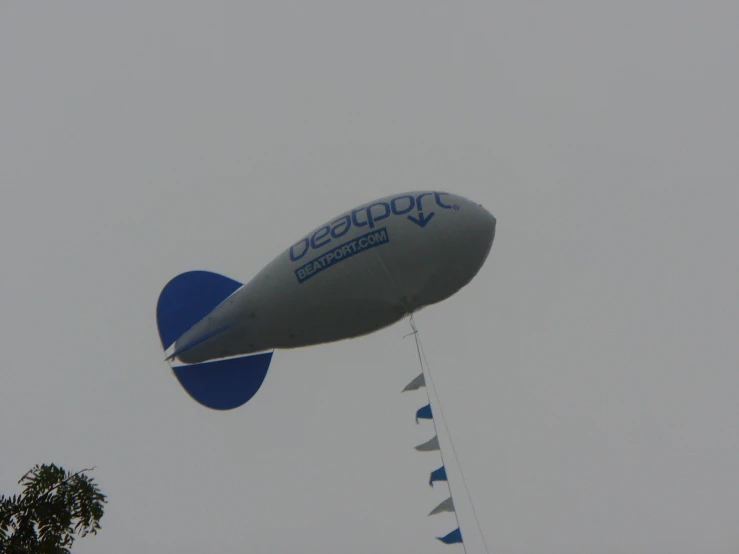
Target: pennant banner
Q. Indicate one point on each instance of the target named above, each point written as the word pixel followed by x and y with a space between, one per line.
pixel 429 446
pixel 424 413
pixel 453 537
pixel 416 384
pixel 446 506
pixel 438 475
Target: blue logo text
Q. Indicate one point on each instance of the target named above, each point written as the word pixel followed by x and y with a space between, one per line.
pixel 342 252
pixel 410 206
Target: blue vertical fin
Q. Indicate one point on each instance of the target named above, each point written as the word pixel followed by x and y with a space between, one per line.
pixel 187 299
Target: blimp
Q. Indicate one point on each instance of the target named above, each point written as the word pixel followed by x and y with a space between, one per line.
pixel 359 272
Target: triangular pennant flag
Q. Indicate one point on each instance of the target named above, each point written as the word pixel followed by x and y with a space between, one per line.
pixel 429 446
pixel 453 537
pixel 424 413
pixel 416 384
pixel 437 475
pixel 446 506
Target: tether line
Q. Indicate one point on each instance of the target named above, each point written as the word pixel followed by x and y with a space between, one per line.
pixel 427 371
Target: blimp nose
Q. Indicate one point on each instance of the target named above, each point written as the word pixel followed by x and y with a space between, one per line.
pixel 486 225
pixel 487 212
pixel 490 219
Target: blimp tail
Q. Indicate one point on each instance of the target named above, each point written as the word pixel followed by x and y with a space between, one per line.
pixel 224 384
pixel 219 384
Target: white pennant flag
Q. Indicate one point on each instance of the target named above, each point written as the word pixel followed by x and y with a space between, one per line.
pixel 429 446
pixel 416 384
pixel 446 506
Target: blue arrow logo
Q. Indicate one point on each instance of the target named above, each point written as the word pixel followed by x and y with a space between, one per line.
pixel 421 221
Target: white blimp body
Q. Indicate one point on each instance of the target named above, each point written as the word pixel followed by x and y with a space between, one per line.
pixel 357 273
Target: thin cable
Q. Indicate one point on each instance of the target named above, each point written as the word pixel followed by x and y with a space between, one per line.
pixel 436 430
pixel 451 442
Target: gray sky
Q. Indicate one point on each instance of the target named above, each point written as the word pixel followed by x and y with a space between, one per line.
pixel 589 372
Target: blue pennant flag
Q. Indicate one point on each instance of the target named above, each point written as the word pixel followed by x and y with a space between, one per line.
pixel 438 475
pixel 424 413
pixel 453 537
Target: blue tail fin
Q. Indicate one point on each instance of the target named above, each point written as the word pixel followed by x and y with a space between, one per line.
pixel 219 384
pixel 224 384
pixel 187 299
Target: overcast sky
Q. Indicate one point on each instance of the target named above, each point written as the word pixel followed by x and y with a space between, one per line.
pixel 589 374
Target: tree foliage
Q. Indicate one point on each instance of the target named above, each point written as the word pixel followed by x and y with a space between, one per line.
pixel 55 507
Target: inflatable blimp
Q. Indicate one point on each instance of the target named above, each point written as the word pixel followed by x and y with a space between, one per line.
pixel 361 271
